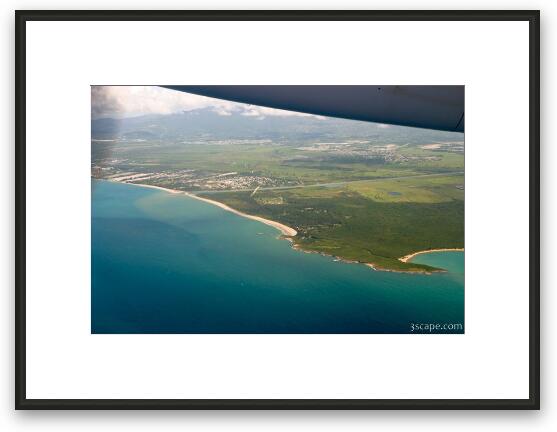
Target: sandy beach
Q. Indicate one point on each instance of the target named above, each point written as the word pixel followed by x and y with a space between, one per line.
pixel 284 229
pixel 412 255
pixel 172 191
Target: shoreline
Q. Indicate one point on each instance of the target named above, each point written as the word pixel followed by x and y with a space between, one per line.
pixel 426 272
pixel 284 229
pixel 288 232
pixel 408 257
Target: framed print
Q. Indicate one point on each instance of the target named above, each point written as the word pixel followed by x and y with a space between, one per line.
pixel 277 210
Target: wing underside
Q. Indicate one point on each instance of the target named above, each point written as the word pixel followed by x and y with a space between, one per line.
pixel 424 106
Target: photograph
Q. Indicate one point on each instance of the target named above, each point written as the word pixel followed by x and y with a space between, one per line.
pixel 277 209
pixel 259 210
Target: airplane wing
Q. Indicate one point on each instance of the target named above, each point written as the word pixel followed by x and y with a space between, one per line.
pixel 431 107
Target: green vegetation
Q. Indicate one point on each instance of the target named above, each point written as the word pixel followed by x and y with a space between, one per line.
pixel 373 222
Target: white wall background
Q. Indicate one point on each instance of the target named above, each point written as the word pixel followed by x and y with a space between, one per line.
pixel 268 421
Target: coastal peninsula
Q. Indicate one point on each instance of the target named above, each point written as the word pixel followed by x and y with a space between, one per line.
pixel 338 246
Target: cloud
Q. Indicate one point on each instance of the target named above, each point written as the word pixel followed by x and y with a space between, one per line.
pixel 260 111
pixel 130 101
pixel 383 126
pixel 104 102
pixel 222 111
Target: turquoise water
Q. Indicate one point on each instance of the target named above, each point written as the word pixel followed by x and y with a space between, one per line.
pixel 164 263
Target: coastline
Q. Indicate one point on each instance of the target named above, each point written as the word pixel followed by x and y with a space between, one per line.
pixel 372 266
pixel 284 229
pixel 426 272
pixel 408 257
pixel 288 232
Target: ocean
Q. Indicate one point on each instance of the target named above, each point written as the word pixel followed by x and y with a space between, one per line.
pixel 164 263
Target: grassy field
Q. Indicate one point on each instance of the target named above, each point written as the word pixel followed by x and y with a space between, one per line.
pixel 270 160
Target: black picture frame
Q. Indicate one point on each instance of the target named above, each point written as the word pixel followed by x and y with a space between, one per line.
pixel 21 400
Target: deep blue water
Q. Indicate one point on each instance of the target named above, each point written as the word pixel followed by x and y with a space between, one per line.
pixel 164 263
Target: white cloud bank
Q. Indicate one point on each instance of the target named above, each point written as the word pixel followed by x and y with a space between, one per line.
pixel 130 101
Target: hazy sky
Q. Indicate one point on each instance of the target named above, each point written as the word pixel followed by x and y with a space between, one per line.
pixel 130 101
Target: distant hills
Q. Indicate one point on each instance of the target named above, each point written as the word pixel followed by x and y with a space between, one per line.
pixel 207 124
